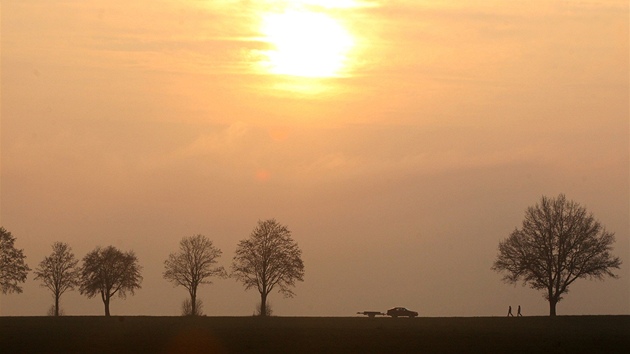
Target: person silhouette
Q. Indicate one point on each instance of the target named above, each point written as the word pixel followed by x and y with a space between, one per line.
pixel 510 311
pixel 518 312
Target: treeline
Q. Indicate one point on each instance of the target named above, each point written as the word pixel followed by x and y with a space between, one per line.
pixel 558 243
pixel 268 259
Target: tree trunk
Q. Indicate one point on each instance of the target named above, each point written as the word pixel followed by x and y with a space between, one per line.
pixel 263 304
pixel 193 304
pixel 552 307
pixel 56 305
pixel 106 302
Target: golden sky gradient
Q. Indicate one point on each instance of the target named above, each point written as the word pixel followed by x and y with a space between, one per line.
pixel 400 141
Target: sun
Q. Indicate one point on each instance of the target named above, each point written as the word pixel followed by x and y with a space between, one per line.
pixel 305 44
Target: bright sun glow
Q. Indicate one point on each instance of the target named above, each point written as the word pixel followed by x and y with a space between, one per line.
pixel 307 44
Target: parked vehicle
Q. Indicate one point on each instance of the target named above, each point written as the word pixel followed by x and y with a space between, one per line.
pixel 401 312
pixel 371 314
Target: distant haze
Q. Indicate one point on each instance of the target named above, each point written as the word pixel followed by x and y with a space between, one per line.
pixel 398 167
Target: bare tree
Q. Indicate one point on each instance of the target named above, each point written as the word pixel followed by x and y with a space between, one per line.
pixel 269 258
pixel 558 243
pixel 13 269
pixel 193 265
pixel 59 272
pixel 107 272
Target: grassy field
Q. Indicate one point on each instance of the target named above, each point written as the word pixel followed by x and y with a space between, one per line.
pixel 565 334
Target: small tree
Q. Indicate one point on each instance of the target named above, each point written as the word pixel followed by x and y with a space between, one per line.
pixel 13 269
pixel 188 310
pixel 558 243
pixel 54 311
pixel 193 265
pixel 107 272
pixel 269 258
pixel 59 272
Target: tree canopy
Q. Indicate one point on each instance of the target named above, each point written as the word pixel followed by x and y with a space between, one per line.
pixel 59 272
pixel 269 259
pixel 13 268
pixel 558 243
pixel 192 266
pixel 109 271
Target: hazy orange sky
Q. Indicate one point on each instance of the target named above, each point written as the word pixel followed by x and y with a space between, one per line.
pixel 399 141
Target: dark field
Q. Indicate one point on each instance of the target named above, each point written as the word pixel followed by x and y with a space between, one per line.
pixel 572 334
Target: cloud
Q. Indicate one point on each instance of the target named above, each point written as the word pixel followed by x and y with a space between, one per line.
pixel 225 142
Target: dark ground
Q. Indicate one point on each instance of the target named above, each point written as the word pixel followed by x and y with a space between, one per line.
pixel 563 334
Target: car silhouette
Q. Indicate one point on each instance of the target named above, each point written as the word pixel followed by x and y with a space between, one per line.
pixel 401 312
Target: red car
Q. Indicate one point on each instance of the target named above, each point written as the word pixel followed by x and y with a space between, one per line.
pixel 401 312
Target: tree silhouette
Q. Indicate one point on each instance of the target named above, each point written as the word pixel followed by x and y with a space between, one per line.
pixel 59 272
pixel 193 265
pixel 13 269
pixel 269 258
pixel 107 272
pixel 559 242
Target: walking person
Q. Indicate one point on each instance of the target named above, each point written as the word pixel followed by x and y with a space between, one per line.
pixel 510 312
pixel 518 312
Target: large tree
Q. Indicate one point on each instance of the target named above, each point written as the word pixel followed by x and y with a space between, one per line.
pixel 558 243
pixel 267 260
pixel 193 265
pixel 109 271
pixel 59 272
pixel 13 269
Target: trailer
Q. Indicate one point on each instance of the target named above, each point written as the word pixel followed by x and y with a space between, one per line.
pixel 371 314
